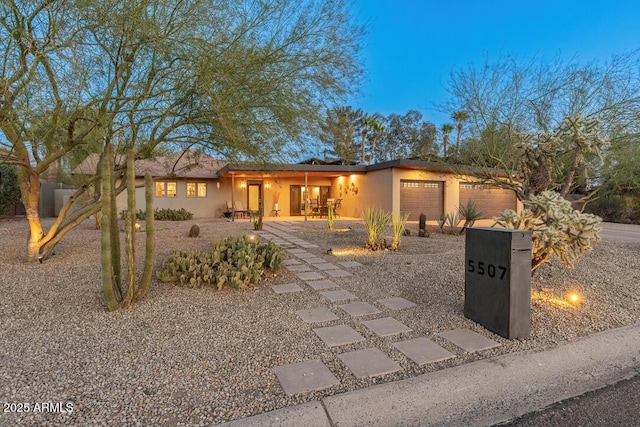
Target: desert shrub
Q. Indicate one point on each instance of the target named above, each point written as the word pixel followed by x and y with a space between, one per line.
pixel 235 261
pixel 610 207
pixel 470 213
pixel 449 220
pixel 165 214
pixel 375 221
pixel 9 188
pixel 557 229
pixel 399 225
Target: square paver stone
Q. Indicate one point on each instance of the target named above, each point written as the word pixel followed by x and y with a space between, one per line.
pixel 324 266
pixel 423 351
pixel 299 267
pixel 316 315
pixel 468 340
pixel 292 262
pixel 310 246
pixel 306 255
pixel 369 362
pixel 319 285
pixel 339 295
pixel 338 273
pixel 289 287
pixel 310 275
pixel 386 326
pixel 338 335
pixel 315 260
pixel 350 264
pixel 297 252
pixel 396 303
pixel 359 308
pixel 303 377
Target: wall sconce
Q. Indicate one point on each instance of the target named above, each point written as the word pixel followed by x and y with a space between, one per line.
pixel 243 185
pixel 267 186
pixel 218 184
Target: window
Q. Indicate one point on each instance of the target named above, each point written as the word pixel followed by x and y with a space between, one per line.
pixel 196 189
pixel 166 189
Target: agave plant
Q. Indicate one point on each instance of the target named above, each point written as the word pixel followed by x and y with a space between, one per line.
pixel 471 213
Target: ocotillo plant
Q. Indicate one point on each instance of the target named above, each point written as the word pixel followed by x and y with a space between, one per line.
pixel 112 284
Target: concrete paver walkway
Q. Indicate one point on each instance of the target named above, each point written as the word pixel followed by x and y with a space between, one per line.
pixel 481 393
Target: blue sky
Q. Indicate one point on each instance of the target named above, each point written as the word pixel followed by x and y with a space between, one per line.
pixel 412 45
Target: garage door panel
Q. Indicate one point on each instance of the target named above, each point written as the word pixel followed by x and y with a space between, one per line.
pixel 418 197
pixel 491 201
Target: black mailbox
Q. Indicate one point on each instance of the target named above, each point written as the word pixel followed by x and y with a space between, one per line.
pixel 497 289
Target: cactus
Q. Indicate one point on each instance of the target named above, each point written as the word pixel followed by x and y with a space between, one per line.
pixel 257 225
pixel 111 255
pixel 234 262
pixel 112 297
pixel 194 231
pixel 330 215
pixel 422 226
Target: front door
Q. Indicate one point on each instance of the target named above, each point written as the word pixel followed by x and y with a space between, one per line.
pixel 296 198
pixel 254 196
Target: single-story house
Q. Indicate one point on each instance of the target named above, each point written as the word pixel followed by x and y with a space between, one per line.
pixel 209 187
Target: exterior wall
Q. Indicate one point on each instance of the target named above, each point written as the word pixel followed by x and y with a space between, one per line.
pixel 361 191
pixel 379 188
pixel 213 205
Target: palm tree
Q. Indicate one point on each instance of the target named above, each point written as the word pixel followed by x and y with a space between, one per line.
pixel 367 123
pixel 459 116
pixel 378 129
pixel 446 130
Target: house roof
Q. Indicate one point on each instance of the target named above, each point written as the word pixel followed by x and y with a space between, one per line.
pixel 190 164
pixel 285 169
pixel 7 156
pixel 194 164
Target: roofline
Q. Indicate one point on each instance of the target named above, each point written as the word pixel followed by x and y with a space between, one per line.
pixel 435 167
pixel 286 167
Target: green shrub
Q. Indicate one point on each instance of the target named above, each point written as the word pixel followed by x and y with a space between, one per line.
pixel 162 214
pixel 9 188
pixel 235 261
pixel 610 207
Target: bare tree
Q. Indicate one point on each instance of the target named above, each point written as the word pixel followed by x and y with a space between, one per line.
pixel 239 78
pixel 545 125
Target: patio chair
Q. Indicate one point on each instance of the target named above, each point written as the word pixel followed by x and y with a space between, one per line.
pixel 337 204
pixel 314 207
pixel 239 209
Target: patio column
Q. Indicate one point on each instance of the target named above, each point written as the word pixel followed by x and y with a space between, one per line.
pixel 233 189
pixel 306 191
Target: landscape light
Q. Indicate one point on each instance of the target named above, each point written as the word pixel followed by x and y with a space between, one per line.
pixel 575 298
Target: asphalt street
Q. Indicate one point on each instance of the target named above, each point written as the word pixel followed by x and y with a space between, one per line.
pixel 617 405
pixel 620 232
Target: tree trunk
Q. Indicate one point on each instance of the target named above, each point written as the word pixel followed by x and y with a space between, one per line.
pixel 29 194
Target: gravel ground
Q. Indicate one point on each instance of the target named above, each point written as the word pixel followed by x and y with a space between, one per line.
pixel 201 356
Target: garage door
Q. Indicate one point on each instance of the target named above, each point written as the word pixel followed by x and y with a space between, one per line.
pixel 491 201
pixel 418 197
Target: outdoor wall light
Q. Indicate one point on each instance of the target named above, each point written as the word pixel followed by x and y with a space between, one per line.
pixel 218 185
pixel 267 186
pixel 243 185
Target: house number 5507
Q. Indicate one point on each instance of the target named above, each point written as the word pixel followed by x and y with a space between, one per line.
pixel 482 268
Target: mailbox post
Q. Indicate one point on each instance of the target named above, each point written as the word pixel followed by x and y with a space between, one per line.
pixel 498 280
